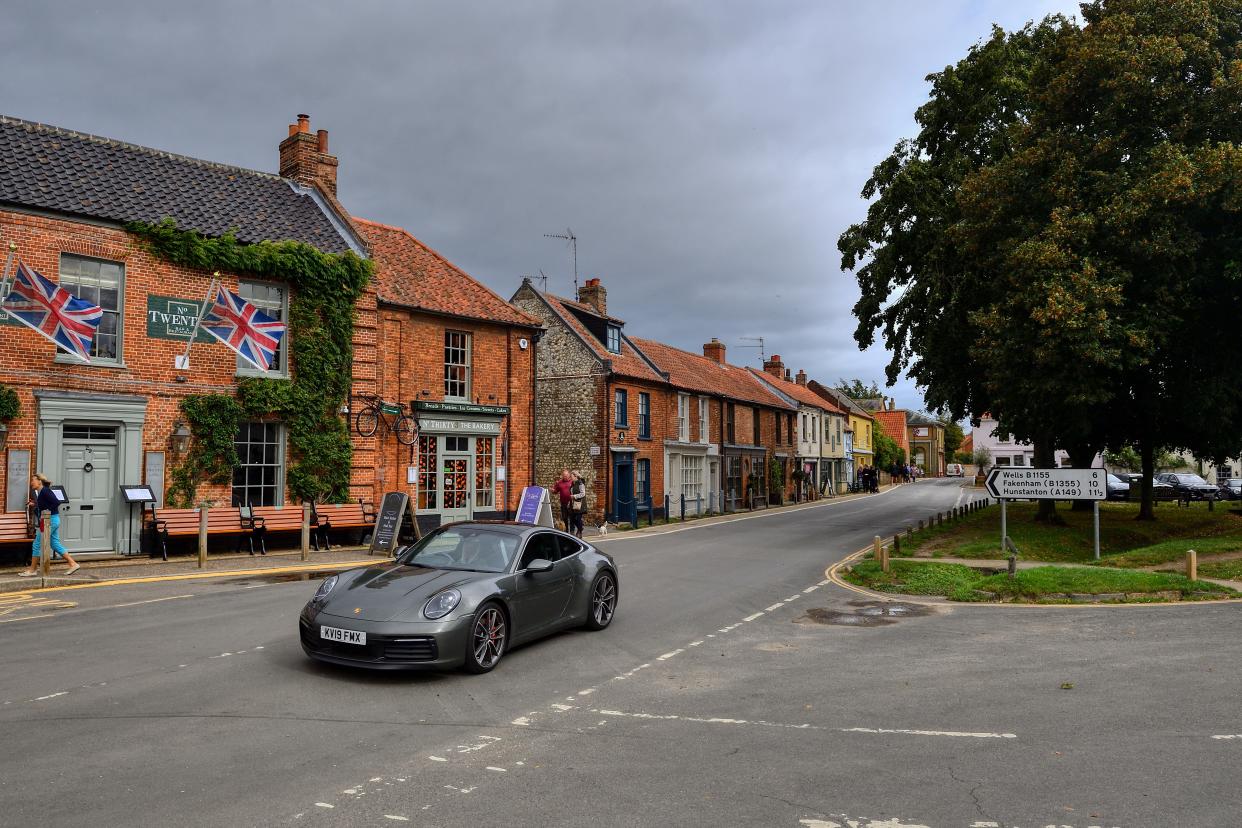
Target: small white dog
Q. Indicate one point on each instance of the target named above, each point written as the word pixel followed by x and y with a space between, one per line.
pixel 603 528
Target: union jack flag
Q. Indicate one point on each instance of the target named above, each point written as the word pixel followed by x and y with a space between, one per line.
pixel 41 304
pixel 244 328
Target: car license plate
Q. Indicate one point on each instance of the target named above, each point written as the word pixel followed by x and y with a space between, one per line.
pixel 343 636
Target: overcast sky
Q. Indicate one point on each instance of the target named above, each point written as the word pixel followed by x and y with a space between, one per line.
pixel 707 155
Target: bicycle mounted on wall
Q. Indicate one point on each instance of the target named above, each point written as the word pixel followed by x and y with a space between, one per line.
pixel 395 417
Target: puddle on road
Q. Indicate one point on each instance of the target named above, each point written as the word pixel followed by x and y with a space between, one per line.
pixel 283 577
pixel 864 614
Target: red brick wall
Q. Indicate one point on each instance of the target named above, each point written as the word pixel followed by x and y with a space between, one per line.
pixel 663 427
pixel 409 359
pixel 26 359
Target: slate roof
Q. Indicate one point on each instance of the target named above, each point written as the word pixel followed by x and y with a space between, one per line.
pixel 411 274
pixel 628 363
pixel 694 372
pixel 62 171
pixel 800 393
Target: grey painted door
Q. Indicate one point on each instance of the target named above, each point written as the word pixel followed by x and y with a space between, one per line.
pixel 89 478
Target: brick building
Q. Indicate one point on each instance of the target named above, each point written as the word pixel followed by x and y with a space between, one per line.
pixel 603 406
pixel 64 198
pixel 462 358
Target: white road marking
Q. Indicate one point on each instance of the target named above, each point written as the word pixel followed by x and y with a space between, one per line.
pixel 824 582
pixel 437 758
pixel 1228 736
pixel 396 817
pixel 498 770
pixel 586 692
pixel 810 589
pixel 563 707
pixel 667 656
pixel 521 721
pixel 750 618
pixel 695 643
pixel 929 732
pixel 148 601
pixel 792 598
pixel 54 695
pixel 775 606
pixel 324 805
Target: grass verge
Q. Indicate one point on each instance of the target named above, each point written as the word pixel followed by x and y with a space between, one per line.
pixel 1045 584
pixel 1124 542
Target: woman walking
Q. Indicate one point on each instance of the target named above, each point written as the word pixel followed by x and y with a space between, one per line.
pixel 46 500
pixel 577 494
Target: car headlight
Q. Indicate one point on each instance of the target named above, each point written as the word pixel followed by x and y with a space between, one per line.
pixel 442 603
pixel 324 589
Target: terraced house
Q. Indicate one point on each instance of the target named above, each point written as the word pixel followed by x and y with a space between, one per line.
pixel 65 200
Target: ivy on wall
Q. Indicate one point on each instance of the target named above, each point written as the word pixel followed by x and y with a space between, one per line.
pixel 324 289
pixel 10 405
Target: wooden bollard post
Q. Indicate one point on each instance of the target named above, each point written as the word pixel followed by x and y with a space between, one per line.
pixel 897 545
pixel 881 554
pixel 939 518
pixel 202 537
pixel 920 526
pixel 1192 564
pixel 306 531
pixel 909 531
pixel 45 544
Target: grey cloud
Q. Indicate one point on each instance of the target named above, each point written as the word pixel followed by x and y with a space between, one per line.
pixel 706 154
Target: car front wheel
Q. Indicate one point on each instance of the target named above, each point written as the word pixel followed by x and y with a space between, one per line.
pixel 488 637
pixel 603 601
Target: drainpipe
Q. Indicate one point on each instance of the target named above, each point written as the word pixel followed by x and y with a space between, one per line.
pixel 606 449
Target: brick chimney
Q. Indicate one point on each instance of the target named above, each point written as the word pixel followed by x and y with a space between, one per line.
pixel 801 380
pixel 593 294
pixel 304 156
pixel 774 366
pixel 715 351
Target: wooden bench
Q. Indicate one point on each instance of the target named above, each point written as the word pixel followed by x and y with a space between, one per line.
pixel 326 517
pixel 162 524
pixel 254 525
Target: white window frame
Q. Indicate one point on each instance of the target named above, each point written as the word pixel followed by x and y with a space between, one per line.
pixel 692 467
pixel 612 339
pixel 467 347
pixel 683 418
pixel 111 362
pixel 244 368
pixel 704 423
pixel 281 441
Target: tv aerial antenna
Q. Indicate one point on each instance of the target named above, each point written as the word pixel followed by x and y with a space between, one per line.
pixel 762 356
pixel 568 236
pixel 543 279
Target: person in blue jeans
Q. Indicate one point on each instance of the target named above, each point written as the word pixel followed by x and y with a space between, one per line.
pixel 45 499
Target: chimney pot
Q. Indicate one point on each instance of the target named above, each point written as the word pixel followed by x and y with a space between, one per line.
pixel 774 366
pixel 304 157
pixel 293 129
pixel 715 351
pixel 323 140
pixel 593 293
pixel 303 123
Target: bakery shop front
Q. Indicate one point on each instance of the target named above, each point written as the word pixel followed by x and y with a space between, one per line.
pixel 461 462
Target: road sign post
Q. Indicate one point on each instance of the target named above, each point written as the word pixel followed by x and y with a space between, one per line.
pixel 1022 483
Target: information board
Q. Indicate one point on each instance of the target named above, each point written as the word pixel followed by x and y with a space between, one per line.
pixel 395 520
pixel 1020 483
pixel 18 477
pixel 154 476
pixel 534 507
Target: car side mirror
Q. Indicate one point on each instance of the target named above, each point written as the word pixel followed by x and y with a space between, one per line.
pixel 538 565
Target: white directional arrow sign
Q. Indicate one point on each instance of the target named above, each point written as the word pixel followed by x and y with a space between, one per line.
pixel 1020 483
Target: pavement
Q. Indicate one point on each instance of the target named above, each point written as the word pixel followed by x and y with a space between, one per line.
pixel 737 686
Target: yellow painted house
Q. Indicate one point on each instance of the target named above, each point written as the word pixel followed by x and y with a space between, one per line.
pixel 860 450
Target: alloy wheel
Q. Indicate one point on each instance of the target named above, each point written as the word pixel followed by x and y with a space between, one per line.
pixel 603 600
pixel 489 637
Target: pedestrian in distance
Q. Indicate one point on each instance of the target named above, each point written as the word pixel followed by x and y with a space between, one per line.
pixel 45 500
pixel 564 490
pixel 577 496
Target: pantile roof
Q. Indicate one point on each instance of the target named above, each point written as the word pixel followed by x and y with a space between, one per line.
pixel 629 363
pixel 411 274
pixel 840 398
pixel 894 423
pixel 800 393
pixel 62 171
pixel 694 372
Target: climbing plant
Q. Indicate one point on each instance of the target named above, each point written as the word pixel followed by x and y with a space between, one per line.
pixel 324 288
pixel 10 405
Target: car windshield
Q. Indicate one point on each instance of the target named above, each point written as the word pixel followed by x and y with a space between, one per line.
pixel 470 548
pixel 1112 478
pixel 1191 479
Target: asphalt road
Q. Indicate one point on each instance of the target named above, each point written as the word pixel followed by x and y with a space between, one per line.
pixel 734 688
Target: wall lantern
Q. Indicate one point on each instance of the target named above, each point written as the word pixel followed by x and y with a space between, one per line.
pixel 621 435
pixel 4 435
pixel 180 438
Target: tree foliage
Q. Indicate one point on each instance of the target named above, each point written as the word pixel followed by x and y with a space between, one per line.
pixel 856 389
pixel 1058 245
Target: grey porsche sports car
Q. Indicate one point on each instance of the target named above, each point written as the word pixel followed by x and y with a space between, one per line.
pixel 460 597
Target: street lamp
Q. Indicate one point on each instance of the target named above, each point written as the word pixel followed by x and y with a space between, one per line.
pixel 180 438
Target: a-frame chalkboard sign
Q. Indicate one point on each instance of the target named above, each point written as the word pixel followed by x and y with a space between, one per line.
pixel 395 524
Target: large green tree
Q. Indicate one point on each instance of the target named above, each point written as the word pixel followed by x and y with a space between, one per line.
pixel 856 389
pixel 1057 246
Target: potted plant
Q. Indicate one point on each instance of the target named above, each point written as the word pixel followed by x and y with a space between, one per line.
pixel 10 407
pixel 982 457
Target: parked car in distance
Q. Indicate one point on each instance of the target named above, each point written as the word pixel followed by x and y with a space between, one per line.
pixel 1118 489
pixel 1189 486
pixel 1231 489
pixel 955 470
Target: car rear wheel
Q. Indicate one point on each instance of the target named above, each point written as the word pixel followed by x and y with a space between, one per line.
pixel 488 638
pixel 603 601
